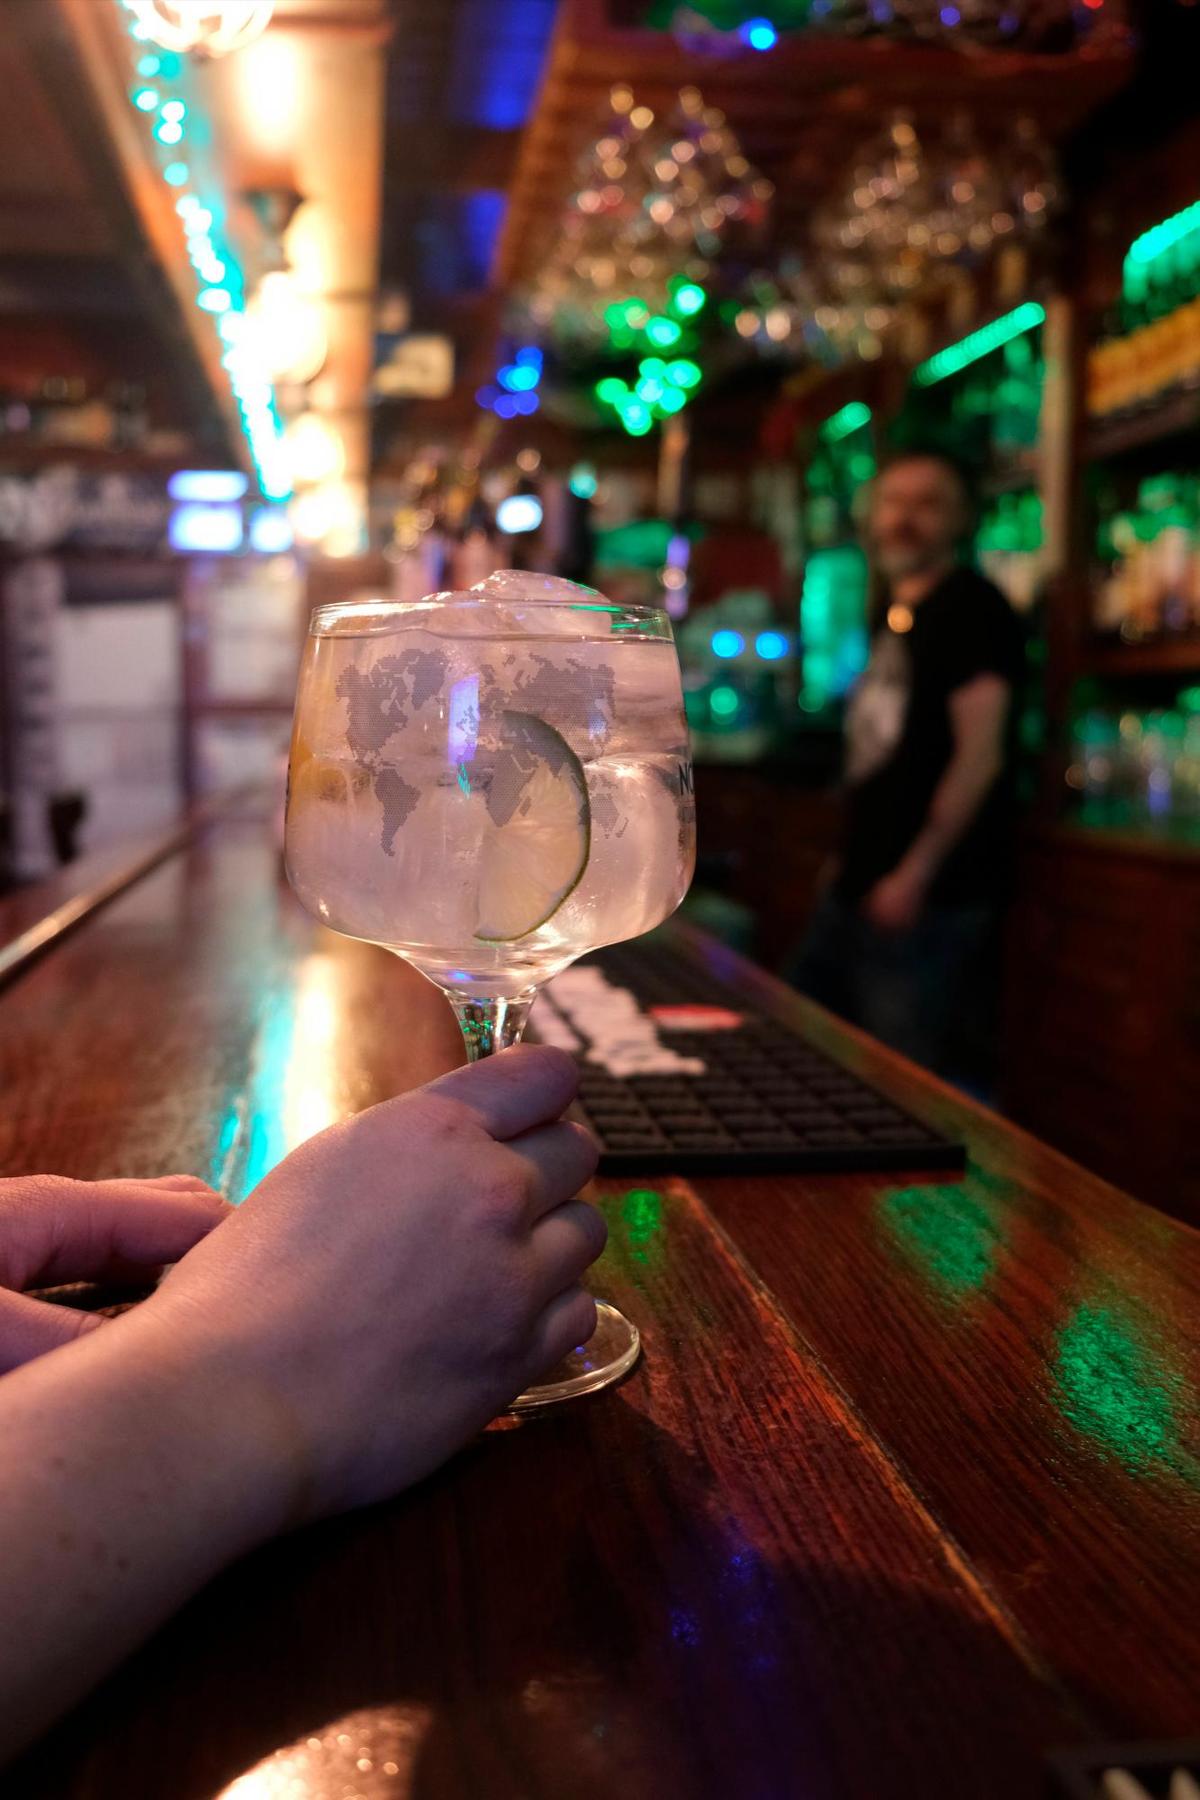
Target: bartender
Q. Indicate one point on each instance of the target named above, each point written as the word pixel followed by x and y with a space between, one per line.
pixel 903 938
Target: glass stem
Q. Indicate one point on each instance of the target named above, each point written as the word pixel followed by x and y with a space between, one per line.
pixel 490 1025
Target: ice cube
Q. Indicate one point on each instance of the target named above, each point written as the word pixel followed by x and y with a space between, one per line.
pixel 526 586
pixel 546 605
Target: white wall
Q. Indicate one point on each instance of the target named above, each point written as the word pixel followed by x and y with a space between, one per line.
pixel 120 695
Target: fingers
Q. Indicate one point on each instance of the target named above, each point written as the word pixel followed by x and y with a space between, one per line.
pixel 567 1322
pixel 564 1244
pixel 53 1229
pixel 510 1093
pixel 30 1328
pixel 562 1157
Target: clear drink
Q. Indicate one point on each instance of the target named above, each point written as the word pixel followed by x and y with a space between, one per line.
pixel 491 786
pixel 491 783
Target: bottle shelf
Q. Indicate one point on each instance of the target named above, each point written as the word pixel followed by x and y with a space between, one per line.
pixel 1013 477
pixel 1168 418
pixel 1156 656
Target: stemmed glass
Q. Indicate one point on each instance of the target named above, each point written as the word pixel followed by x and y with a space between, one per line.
pixel 490 784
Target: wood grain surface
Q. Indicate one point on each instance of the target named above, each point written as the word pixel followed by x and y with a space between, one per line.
pixel 904 1492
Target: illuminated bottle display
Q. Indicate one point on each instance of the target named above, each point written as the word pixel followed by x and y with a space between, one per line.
pixel 1150 555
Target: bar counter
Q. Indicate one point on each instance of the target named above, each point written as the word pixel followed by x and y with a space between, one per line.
pixel 904 1494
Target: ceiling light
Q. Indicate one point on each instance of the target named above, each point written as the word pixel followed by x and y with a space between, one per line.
pixel 209 27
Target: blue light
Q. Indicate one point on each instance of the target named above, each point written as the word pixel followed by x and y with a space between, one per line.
pixel 506 406
pixel 728 643
pixel 499 50
pixel 950 15
pixel 771 645
pixel 169 132
pixel 481 215
pixel 175 174
pixel 760 34
pixel 526 403
pixel 518 514
pixel 529 355
pixel 271 531
pixel 487 397
pixel 583 483
pixel 214 299
pixel 216 529
pixel 519 378
pixel 207 484
pixel 149 65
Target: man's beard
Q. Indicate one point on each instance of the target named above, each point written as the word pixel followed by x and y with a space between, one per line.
pixel 895 564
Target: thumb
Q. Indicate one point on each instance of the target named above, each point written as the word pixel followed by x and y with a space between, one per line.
pixel 29 1328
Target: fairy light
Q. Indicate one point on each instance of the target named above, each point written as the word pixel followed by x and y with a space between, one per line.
pixel 220 283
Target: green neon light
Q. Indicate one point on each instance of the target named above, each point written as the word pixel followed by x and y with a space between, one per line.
pixel 1115 1388
pixel 956 357
pixel 642 1218
pixel 947 1230
pixel 1164 236
pixel 851 418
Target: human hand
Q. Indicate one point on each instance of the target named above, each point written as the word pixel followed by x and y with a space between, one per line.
pixel 398 1279
pixel 896 902
pixel 56 1230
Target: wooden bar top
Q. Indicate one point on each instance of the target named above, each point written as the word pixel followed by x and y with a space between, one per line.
pixel 905 1492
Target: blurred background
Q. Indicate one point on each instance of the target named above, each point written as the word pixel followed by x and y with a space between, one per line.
pixel 307 299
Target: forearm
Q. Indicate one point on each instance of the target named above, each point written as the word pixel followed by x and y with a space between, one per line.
pixel 135 1469
pixel 957 798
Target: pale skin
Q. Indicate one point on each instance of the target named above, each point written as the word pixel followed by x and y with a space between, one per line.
pixel 918 513
pixel 383 1294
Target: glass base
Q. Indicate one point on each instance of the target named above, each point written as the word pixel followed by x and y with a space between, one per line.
pixel 608 1354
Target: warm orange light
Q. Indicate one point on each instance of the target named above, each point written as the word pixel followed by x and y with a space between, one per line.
pixel 210 27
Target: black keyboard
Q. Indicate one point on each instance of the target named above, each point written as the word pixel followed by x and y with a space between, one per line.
pixel 751 1098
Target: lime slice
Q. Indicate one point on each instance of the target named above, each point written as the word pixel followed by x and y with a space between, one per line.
pixel 539 830
pixel 314 778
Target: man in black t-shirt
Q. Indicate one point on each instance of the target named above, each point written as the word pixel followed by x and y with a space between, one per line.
pixel 901 937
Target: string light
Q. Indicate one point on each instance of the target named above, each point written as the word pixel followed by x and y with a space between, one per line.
pixel 760 34
pixel 688 298
pixel 516 395
pixel 220 290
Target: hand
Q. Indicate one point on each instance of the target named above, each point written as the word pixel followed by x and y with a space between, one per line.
pixel 397 1280
pixel 896 902
pixel 55 1230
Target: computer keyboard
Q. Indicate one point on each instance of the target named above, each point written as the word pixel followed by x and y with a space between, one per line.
pixel 679 1075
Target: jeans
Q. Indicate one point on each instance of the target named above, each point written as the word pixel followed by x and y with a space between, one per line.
pixel 929 993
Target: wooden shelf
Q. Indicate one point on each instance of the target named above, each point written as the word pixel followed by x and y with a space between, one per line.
pixel 1013 478
pixel 1170 418
pixel 18 457
pixel 1159 656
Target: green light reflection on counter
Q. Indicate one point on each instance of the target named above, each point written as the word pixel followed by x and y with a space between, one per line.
pixel 947 1230
pixel 1115 1388
pixel 641 1216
